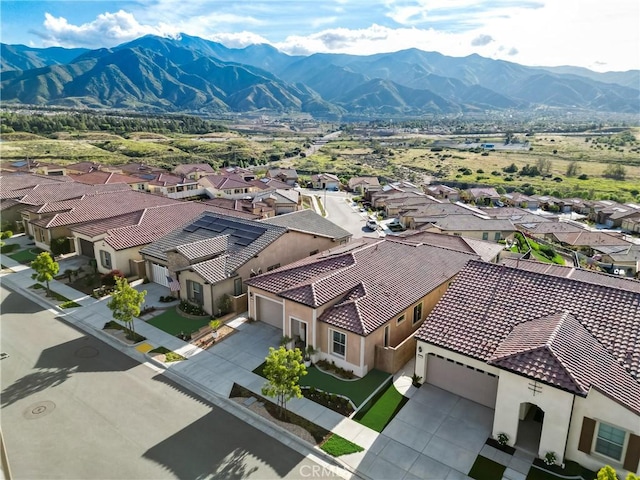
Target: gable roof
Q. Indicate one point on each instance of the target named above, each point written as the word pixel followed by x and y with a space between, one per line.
pixel 269 184
pixel 187 168
pixel 470 223
pixel 99 177
pixel 222 182
pixel 308 221
pixel 36 191
pixel 204 236
pixel 97 206
pixel 486 250
pixel 486 303
pixel 372 280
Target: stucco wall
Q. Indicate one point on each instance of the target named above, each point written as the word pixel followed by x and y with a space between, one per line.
pixel 513 390
pixel 599 408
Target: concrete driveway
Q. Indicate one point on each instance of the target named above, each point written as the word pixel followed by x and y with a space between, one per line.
pixel 436 435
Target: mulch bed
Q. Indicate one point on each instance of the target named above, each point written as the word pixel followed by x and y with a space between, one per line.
pixel 492 442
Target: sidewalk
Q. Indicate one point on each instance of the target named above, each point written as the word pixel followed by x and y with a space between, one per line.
pixel 209 373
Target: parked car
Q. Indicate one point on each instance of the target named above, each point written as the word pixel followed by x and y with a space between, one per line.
pixel 372 224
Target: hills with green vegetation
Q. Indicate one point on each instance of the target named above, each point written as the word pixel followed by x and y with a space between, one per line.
pixel 189 74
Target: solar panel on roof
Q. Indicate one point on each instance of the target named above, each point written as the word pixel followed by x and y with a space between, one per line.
pixel 190 228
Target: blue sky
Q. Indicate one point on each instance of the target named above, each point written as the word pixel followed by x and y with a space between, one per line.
pixel 595 34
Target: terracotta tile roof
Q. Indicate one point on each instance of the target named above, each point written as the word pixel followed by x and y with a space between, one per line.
pixel 262 235
pixel 102 226
pixel 236 208
pixel 102 178
pixel 373 280
pixel 187 168
pixel 486 250
pixel 133 168
pixel 370 181
pixel 308 221
pixel 471 223
pixel 588 238
pixel 324 176
pixel 55 192
pixel 98 206
pixel 487 301
pixel 553 227
pixel 590 276
pixel 84 167
pixel 154 223
pixel 222 182
pixel 558 350
pixel 14 182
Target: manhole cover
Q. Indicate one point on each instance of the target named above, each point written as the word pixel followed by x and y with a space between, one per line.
pixel 86 352
pixel 39 410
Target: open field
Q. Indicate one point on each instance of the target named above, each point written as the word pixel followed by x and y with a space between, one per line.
pixel 410 156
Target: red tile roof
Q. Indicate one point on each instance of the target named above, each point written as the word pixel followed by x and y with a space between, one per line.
pixel 481 313
pixel 222 182
pixel 374 280
pixel 102 178
pixel 54 192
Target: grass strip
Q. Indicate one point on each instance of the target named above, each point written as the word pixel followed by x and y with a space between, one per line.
pixel 173 323
pixel 383 409
pixel 169 355
pixel 337 446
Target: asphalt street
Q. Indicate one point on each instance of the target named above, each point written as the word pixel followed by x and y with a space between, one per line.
pixel 75 408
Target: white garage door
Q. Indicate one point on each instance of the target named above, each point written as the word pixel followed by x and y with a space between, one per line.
pixel 268 311
pixel 476 385
pixel 159 274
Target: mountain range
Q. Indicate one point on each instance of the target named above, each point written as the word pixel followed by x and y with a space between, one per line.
pixel 190 74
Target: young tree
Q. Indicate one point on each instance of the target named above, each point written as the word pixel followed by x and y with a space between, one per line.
pixel 46 268
pixel 573 170
pixel 283 370
pixel 125 302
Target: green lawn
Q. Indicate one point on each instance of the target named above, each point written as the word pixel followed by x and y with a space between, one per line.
pixel 383 409
pixel 174 324
pixel 485 469
pixel 336 446
pixel 26 256
pixel 356 390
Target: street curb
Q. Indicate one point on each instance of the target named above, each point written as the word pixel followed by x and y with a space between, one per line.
pixel 275 431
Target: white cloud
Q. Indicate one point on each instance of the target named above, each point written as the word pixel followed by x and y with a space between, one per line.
pixel 108 29
pixel 481 40
pixel 237 40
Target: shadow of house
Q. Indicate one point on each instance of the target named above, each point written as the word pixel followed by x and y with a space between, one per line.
pixel 205 456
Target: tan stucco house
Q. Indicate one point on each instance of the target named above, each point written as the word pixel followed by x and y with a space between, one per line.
pixel 214 254
pixel 556 353
pixel 360 304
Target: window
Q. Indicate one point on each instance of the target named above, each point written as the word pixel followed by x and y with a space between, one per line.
pixel 610 441
pixel 485 235
pixel 400 320
pixel 237 287
pixel 417 313
pixel 105 259
pixel 194 292
pixel 338 343
pixel 497 236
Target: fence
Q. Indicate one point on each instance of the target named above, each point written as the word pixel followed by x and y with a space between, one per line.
pixel 392 359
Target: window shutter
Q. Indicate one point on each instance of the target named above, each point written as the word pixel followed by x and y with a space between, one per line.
pixel 632 458
pixel 586 435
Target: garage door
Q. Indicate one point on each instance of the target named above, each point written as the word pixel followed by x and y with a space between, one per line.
pixel 476 385
pixel 268 311
pixel 159 274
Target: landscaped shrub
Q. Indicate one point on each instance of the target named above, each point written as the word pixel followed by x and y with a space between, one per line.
pixel 60 246
pixel 332 367
pixel 225 304
pixel 191 308
pixel 109 279
pixel 330 400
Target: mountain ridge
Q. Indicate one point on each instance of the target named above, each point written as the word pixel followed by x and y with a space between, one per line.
pixel 190 74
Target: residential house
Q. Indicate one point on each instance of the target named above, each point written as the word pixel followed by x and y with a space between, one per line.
pixel 98 177
pixel 214 254
pixel 325 181
pixel 359 304
pixel 172 186
pixel 631 224
pixel 115 242
pixel 266 183
pixel 246 174
pixel 133 168
pixel 550 231
pixel 14 187
pixel 442 192
pixel 286 175
pixel 472 226
pixel 482 196
pixel 243 207
pixel 52 220
pixel 557 358
pixel 621 260
pixel 517 199
pixel 417 217
pixel 226 186
pixel 380 199
pixel 82 167
pixel 410 201
pixel 193 171
pixel 553 204
pixel 487 251
pixel 35 167
pixel 364 185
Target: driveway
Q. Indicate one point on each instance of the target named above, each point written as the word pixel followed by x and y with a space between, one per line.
pixel 436 435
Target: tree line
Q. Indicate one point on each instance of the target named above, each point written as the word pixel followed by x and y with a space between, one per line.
pixel 46 124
